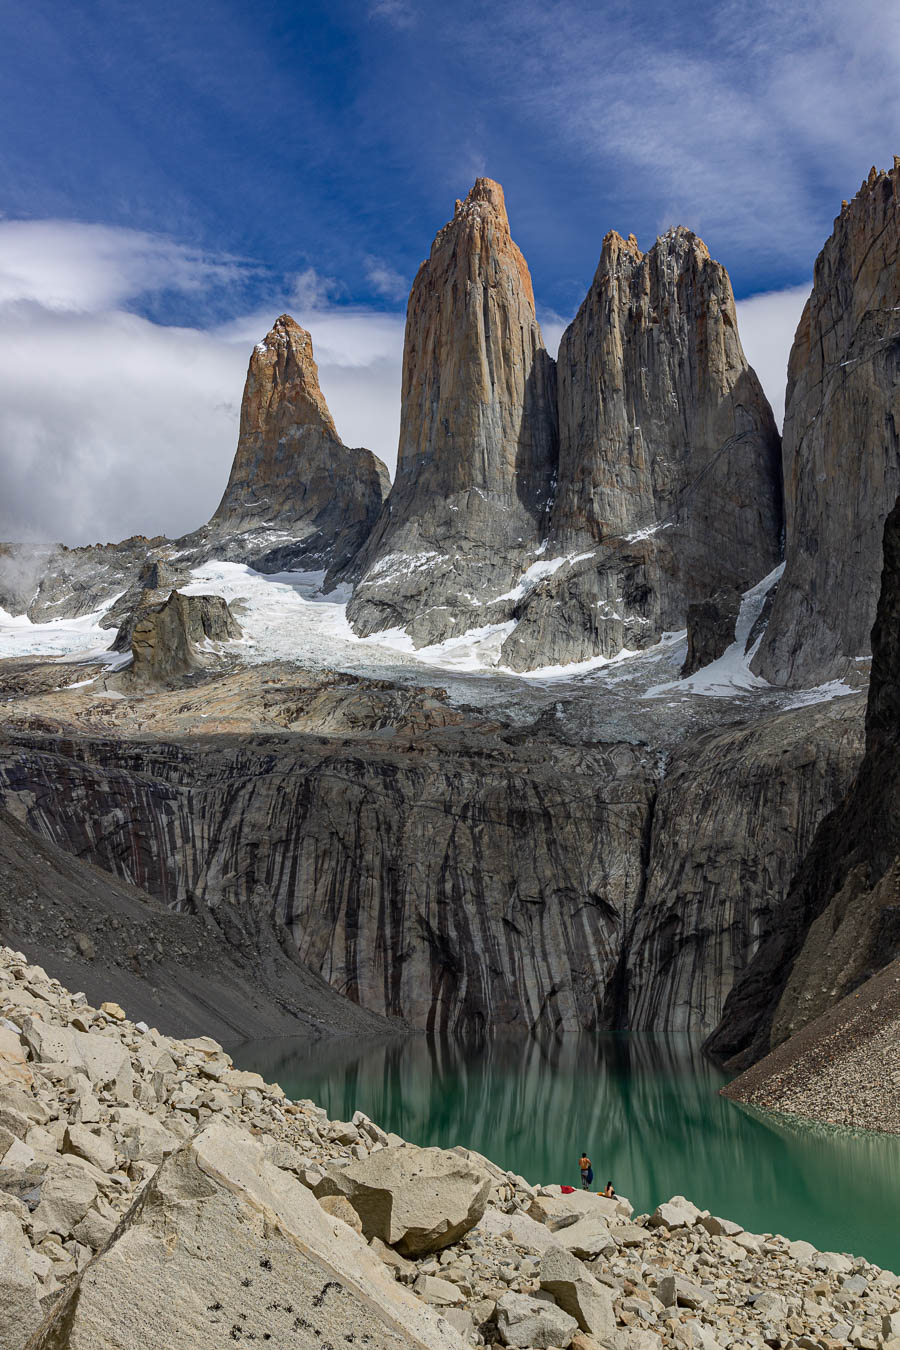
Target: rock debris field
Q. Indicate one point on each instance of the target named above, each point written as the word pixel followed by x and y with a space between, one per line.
pixel 151 1195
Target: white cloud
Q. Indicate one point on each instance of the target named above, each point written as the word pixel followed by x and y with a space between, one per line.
pixel 767 324
pixel 63 265
pixel 399 13
pixel 385 280
pixel 736 127
pixel 112 425
pixel 310 289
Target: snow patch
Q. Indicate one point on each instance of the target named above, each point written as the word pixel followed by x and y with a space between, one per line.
pixel 731 674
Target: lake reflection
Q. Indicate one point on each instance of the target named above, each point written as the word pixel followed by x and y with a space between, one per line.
pixel 646 1109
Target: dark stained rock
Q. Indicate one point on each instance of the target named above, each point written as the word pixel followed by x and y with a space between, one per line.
pixel 841 444
pixel 710 629
pixel 840 922
pixel 735 813
pixel 201 971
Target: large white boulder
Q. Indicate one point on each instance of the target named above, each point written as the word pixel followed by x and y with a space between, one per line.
pixel 526 1320
pixel 675 1213
pixel 104 1059
pixel 20 1310
pixel 223 1247
pixel 578 1293
pixel 415 1199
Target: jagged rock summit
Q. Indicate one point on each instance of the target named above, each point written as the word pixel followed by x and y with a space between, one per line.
pixel 669 474
pixel 590 526
pixel 841 443
pixel 478 441
pixel 292 474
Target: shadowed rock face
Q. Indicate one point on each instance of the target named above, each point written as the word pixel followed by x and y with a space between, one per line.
pixel 735 813
pixel 291 470
pixel 668 457
pixel 840 922
pixel 841 444
pixel 477 454
pixel 458 872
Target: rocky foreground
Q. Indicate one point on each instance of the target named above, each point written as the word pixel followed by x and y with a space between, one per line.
pixel 153 1195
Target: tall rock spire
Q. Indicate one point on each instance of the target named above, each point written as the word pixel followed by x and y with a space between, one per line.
pixel 669 471
pixel 291 472
pixel 478 444
pixel 841 444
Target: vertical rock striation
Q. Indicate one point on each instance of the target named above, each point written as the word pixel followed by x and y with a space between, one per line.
pixel 669 474
pixel 291 472
pixel 841 443
pixel 840 923
pixel 478 443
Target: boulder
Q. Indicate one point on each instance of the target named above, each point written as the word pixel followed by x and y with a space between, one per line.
pixel 577 1292
pixel 674 1291
pixel 719 1227
pixel 416 1199
pixel 20 1309
pixel 103 1058
pixel 67 1194
pixel 339 1207
pixel 588 1238
pixel 522 1230
pixel 523 1320
pixel 557 1210
pixel 13 1065
pixel 95 1148
pixel 675 1213
pixel 220 1247
pixel 441 1293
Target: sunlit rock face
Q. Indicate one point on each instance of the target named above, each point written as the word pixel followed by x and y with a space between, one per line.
pixel 291 471
pixel 841 444
pixel 669 475
pixel 478 438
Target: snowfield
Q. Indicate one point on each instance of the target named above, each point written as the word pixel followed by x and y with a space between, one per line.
pixel 287 617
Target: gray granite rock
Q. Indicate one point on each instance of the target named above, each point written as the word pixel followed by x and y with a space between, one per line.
pixel 841 461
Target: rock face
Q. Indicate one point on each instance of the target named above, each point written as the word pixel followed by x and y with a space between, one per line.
pixel 274 1248
pixel 839 923
pixel 438 867
pixel 179 636
pixel 478 441
pixel 291 472
pixel 364 850
pixel 710 629
pixel 416 1200
pixel 841 444
pixel 735 814
pixel 214 970
pixel 669 475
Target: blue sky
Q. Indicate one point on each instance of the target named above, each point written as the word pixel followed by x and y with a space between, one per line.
pixel 234 160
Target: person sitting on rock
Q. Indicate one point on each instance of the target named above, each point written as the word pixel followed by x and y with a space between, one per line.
pixel 587 1171
pixel 609 1192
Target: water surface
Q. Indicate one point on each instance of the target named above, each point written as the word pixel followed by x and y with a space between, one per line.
pixel 646 1109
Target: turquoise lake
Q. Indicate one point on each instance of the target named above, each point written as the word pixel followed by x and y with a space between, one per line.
pixel 646 1109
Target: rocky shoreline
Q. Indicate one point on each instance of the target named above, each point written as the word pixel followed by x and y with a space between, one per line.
pixel 153 1195
pixel 841 1069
